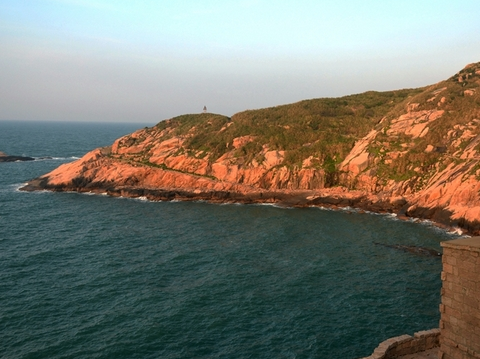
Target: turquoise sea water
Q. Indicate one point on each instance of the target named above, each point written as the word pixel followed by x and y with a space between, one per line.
pixel 89 276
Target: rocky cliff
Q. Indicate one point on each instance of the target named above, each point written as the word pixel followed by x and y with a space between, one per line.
pixel 415 152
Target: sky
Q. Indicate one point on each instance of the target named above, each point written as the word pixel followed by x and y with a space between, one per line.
pixel 146 61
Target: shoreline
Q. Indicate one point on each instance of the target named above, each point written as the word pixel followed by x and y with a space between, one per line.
pixel 327 199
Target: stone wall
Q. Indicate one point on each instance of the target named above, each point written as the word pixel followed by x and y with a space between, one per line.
pixel 460 307
pixel 406 344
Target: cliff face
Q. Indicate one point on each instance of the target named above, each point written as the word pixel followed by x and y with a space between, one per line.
pixel 428 155
pixel 415 152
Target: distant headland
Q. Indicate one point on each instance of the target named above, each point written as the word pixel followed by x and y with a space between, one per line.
pixel 413 152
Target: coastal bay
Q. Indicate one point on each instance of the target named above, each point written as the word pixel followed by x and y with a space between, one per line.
pixel 90 275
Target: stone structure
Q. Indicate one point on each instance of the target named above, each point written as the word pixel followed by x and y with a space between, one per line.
pixel 459 333
pixel 406 344
pixel 460 307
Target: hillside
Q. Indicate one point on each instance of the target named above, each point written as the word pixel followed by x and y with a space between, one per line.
pixel 414 152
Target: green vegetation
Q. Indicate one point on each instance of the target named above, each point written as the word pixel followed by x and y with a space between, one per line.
pixel 325 130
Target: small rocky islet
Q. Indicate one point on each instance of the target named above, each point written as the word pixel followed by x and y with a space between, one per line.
pixel 413 152
pixel 6 158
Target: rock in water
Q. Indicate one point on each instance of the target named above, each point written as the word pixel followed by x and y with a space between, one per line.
pixel 6 158
pixel 427 252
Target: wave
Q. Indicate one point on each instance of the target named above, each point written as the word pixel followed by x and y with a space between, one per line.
pixel 85 193
pixel 16 188
pixel 11 187
pixel 231 204
pixel 451 231
pixel 275 205
pixel 457 232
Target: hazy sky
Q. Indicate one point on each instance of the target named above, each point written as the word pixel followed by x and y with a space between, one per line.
pixel 118 60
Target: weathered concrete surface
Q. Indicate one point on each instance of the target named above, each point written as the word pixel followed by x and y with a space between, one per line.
pixel 427 354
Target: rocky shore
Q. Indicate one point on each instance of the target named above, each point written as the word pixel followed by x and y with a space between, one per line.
pixel 98 173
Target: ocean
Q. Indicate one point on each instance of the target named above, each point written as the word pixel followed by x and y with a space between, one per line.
pixel 90 276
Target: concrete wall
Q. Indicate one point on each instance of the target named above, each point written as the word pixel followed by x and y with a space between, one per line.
pixel 460 307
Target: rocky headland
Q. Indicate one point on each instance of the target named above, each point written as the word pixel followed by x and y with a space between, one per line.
pixel 413 152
